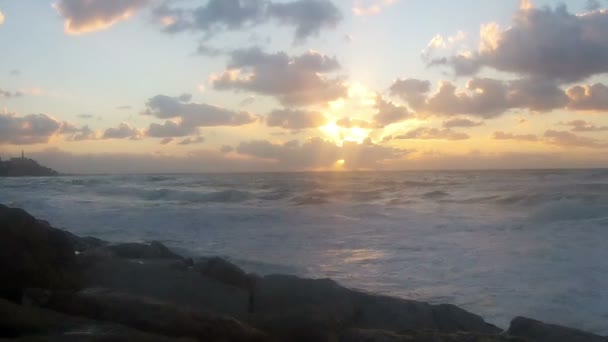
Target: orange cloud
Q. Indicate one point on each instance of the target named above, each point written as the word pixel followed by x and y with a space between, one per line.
pixel 1 18
pixel 370 7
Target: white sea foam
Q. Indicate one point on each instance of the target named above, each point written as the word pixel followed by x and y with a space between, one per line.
pixel 500 243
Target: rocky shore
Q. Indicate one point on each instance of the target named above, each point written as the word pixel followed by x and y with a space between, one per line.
pixel 55 286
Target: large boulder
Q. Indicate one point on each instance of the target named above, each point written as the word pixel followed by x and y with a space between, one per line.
pixel 362 335
pixel 27 323
pixel 390 313
pixel 152 250
pixel 161 279
pixel 33 254
pixel 541 332
pixel 295 308
pixel 224 272
pixel 146 314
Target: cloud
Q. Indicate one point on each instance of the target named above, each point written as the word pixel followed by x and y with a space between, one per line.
pixel 370 7
pixel 546 43
pixel 388 113
pixel 195 114
pixel 317 153
pixel 510 136
pixel 461 122
pixel 15 72
pixel 293 81
pixel 192 141
pixel 83 16
pixel 73 133
pixel 169 129
pixel 226 149
pixel 7 94
pixel 354 123
pixel 567 139
pixel 167 141
pixel 308 17
pixel 123 131
pixel 1 18
pixel 411 90
pixel 295 119
pixel 424 133
pixel 85 116
pixel 27 130
pixel 588 97
pixel 584 126
pixel 483 97
pixel 124 107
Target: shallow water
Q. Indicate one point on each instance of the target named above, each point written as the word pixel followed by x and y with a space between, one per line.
pixel 498 243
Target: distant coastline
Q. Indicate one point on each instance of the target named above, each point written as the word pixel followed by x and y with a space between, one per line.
pixel 24 167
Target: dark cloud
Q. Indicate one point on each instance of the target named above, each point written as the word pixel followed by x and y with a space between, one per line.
pixel 123 131
pixel 461 122
pixel 82 16
pixel 588 97
pixel 169 129
pixel 511 136
pixel 194 115
pixel 167 141
pixel 547 43
pixel 192 140
pixel 411 90
pixel 308 17
pixel 568 139
pixel 320 153
pixel 294 81
pixel 424 133
pixel 388 113
pixel 485 97
pixel 295 119
pixel 584 126
pixel 15 72
pixel 29 129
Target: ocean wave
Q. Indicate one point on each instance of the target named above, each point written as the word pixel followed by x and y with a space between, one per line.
pixel 183 196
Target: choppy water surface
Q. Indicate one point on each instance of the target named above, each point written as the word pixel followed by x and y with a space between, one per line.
pixel 498 243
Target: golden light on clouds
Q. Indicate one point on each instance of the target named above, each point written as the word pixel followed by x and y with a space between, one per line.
pixel 1 18
pixel 340 135
pixel 526 5
pixel 370 7
pixel 97 23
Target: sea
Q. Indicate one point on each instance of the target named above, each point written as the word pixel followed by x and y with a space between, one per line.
pixel 501 244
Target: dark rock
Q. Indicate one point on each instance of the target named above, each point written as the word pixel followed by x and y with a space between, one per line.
pixel 288 306
pixel 541 332
pixel 225 272
pixel 152 250
pixel 360 335
pixel 82 244
pixel 146 314
pixel 33 254
pixel 161 279
pixel 25 323
pixel 390 313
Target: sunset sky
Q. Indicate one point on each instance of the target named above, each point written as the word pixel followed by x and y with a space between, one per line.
pixel 91 86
